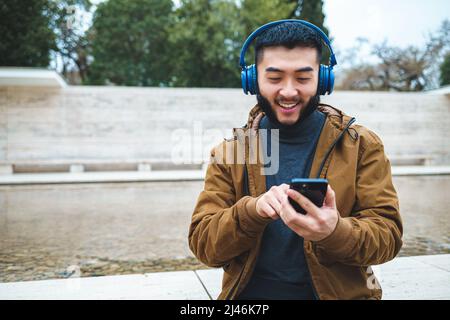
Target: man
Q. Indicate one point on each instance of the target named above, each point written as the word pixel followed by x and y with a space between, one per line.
pixel 243 221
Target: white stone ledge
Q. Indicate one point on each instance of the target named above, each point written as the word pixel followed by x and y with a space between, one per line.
pixel 94 177
pixel 181 285
pixel 165 175
pixel 30 77
pixel 420 170
pixel 406 278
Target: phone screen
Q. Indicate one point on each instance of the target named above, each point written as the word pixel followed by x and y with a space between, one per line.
pixel 314 189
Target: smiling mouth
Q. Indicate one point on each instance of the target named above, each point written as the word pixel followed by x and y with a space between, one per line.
pixel 288 106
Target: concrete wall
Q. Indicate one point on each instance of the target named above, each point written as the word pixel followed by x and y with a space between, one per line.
pixel 126 123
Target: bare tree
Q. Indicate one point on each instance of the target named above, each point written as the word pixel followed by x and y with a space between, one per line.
pixel 400 69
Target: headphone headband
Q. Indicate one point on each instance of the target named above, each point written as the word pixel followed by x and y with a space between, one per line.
pixel 258 31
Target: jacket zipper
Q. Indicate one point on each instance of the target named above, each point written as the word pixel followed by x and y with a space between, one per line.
pixel 327 154
pixel 319 173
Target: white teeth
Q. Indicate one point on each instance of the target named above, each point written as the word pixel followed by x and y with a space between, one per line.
pixel 287 106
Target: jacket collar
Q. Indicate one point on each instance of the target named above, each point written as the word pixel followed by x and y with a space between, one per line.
pixel 335 117
pixel 335 124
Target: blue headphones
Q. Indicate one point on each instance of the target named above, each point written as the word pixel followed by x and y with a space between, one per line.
pixel 248 73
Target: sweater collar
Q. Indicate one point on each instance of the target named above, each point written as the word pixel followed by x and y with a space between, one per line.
pixel 300 132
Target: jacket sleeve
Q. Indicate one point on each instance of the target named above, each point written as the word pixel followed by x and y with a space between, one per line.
pixel 221 227
pixel 372 234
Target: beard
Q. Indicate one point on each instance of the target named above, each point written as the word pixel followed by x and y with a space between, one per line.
pixel 266 106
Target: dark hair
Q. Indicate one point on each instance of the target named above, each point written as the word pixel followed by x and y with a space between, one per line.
pixel 289 35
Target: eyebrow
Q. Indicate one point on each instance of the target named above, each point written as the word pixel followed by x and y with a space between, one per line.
pixel 304 69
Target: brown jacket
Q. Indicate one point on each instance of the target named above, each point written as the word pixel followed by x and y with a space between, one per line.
pixel 226 230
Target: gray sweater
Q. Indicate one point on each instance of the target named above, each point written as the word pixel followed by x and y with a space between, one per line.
pixel 281 271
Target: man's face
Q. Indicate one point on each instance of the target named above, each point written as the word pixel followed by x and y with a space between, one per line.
pixel 288 78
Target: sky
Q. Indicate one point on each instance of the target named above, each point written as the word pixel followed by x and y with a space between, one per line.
pixel 400 22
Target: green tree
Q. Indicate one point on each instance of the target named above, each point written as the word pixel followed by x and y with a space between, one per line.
pixel 309 10
pixel 26 36
pixel 208 35
pixel 129 43
pixel 255 13
pixel 206 40
pixel 445 71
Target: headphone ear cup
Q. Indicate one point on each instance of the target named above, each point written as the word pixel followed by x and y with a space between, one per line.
pixel 321 88
pixel 248 79
pixel 252 78
pixel 331 80
pixel 244 80
pixel 326 80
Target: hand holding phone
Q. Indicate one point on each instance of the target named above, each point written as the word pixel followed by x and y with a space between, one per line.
pixel 323 214
pixel 313 189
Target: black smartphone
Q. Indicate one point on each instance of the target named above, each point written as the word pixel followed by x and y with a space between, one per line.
pixel 314 189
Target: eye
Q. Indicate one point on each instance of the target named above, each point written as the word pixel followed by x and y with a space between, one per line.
pixel 303 79
pixel 274 79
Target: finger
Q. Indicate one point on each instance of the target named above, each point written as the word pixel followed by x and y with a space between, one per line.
pixel 280 193
pixel 271 200
pixel 304 202
pixel 274 202
pixel 292 219
pixel 330 198
pixel 287 213
pixel 268 210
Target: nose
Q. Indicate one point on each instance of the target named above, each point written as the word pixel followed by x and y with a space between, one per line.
pixel 288 91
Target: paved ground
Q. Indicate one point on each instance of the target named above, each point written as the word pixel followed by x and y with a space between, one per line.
pixel 419 277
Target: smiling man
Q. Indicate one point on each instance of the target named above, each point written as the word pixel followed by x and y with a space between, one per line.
pixel 243 220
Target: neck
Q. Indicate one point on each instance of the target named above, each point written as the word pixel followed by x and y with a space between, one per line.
pixel 297 133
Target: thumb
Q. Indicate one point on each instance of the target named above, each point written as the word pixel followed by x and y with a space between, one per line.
pixel 330 198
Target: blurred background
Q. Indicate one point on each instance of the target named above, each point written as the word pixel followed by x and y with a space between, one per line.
pixel 401 46
pixel 108 110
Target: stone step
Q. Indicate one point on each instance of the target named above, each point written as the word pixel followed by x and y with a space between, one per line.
pixel 165 175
